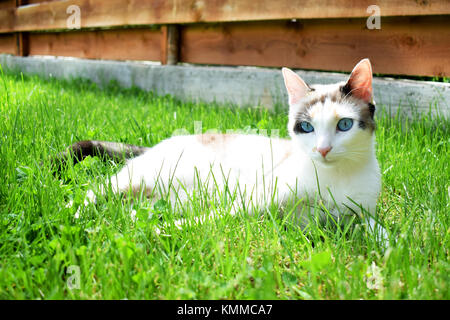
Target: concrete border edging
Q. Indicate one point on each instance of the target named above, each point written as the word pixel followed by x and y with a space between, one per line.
pixel 242 86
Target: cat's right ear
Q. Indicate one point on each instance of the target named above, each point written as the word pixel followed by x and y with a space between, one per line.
pixel 296 87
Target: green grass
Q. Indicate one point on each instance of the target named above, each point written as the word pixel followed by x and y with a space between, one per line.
pixel 242 257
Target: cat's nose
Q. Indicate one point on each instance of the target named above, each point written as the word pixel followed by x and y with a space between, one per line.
pixel 324 151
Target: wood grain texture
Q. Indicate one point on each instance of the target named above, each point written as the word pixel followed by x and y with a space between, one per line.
pixel 7 4
pixel 39 1
pixel 123 44
pixel 52 15
pixel 7 15
pixel 404 45
pixel 8 43
pixel 418 45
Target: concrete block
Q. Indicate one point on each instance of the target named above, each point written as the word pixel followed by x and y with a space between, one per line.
pixel 241 86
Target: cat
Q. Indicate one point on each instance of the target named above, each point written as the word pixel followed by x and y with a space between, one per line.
pixel 330 155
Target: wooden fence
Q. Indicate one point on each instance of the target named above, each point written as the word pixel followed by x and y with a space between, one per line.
pixel 414 38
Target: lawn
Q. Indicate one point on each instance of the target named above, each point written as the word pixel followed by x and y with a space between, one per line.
pixel 43 247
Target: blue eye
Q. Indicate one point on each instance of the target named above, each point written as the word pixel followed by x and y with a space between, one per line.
pixel 304 127
pixel 345 124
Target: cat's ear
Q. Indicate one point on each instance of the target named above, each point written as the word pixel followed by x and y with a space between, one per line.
pixel 296 87
pixel 359 84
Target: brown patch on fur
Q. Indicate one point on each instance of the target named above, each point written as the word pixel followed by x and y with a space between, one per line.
pixel 334 96
pixel 286 155
pixel 316 100
pixel 308 104
pixel 214 139
pixel 208 138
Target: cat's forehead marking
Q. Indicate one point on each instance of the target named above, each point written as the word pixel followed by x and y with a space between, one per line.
pixel 316 103
pixel 329 111
pixel 332 99
pixel 321 97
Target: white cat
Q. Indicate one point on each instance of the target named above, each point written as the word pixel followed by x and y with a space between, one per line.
pixel 330 155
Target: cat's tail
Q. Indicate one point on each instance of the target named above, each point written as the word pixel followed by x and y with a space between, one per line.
pixel 104 149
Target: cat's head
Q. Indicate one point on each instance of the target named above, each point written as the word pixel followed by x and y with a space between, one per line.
pixel 333 123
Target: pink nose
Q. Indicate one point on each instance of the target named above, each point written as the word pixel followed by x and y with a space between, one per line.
pixel 324 151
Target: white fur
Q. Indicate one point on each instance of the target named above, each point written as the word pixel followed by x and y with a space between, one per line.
pixel 348 177
pixel 257 162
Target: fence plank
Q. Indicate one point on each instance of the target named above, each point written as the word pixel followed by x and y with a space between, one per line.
pixel 123 44
pixel 107 13
pixel 39 1
pixel 7 4
pixel 404 45
pixel 8 43
pixel 7 16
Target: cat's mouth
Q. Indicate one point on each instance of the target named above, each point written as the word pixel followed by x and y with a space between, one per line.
pixel 326 162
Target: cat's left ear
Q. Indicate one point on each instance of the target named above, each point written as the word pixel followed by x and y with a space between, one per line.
pixel 295 86
pixel 359 84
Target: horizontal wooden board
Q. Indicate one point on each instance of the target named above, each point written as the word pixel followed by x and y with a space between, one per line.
pixel 7 14
pixel 7 4
pixel 409 46
pixel 38 1
pixel 8 43
pixel 108 13
pixel 123 44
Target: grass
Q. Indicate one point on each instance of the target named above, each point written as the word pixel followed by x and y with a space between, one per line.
pixel 242 257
